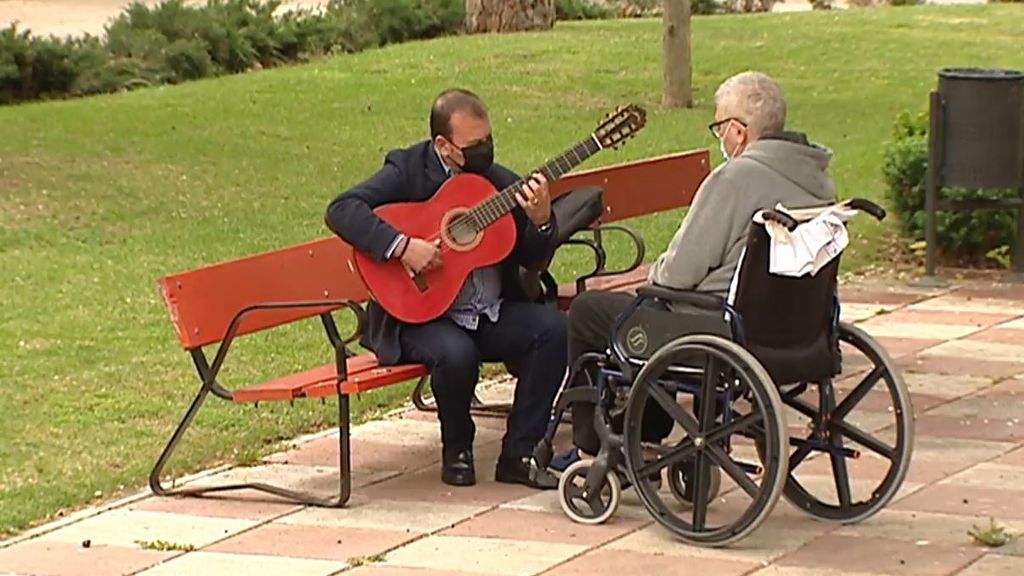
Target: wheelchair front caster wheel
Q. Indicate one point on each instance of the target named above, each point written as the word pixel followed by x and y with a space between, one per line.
pixel 588 506
pixel 678 478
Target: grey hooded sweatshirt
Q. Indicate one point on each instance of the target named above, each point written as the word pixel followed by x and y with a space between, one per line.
pixel 705 250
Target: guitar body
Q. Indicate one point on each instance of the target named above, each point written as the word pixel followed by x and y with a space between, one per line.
pixel 429 296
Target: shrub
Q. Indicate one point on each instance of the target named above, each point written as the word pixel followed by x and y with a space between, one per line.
pixel 963 238
pixel 174 42
pixel 580 10
pixel 639 8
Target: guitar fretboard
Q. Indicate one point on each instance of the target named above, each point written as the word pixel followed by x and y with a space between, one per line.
pixel 488 211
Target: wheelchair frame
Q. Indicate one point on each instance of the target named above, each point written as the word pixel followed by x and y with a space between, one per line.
pixel 590 489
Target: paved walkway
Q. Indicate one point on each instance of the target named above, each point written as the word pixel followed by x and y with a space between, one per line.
pixel 962 350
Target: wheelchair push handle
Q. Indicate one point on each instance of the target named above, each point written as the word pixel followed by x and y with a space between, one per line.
pixel 786 220
pixel 865 205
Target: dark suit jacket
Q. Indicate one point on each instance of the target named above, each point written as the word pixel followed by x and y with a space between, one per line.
pixel 410 175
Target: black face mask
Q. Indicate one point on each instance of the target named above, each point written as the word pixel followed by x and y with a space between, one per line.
pixel 478 157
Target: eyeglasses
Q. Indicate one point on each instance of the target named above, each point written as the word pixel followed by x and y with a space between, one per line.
pixel 716 127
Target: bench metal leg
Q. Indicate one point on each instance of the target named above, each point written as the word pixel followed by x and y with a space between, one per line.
pixel 334 501
pixel 477 406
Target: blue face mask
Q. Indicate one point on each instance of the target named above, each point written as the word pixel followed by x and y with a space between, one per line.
pixel 725 154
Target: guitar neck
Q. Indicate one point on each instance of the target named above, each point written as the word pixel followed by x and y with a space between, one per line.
pixel 503 202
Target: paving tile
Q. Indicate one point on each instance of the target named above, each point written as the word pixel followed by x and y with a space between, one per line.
pixel 976 350
pixel 775 570
pixel 854 312
pixel 313 542
pixel 217 506
pixel 945 385
pixel 989 475
pixel 995 565
pixel 399 431
pixel 999 335
pixel 482 555
pixel 389 515
pixel 547 501
pixel 765 544
pixel 1016 324
pixel 923 363
pixel 126 527
pixel 514 524
pixel 426 485
pixel 985 406
pixel 896 347
pixel 383 570
pixel 974 319
pixel 366 455
pixel 823 487
pixel 1015 458
pixel 54 558
pixel 965 501
pixel 932 528
pixel 619 562
pixel 883 326
pixel 881 555
pixel 887 296
pixel 317 480
pixel 969 428
pixel 491 422
pixel 219 563
pixel 968 304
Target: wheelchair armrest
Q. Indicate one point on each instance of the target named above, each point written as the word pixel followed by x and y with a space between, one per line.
pixel 693 297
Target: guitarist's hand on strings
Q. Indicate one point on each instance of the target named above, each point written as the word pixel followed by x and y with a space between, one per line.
pixel 421 256
pixel 535 199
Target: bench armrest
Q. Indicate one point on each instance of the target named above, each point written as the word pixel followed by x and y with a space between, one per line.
pixel 210 377
pixel 700 299
pixel 600 254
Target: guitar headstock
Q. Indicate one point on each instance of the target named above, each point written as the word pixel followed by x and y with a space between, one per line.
pixel 620 125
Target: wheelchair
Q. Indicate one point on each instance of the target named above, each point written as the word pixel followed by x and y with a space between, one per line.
pixel 735 376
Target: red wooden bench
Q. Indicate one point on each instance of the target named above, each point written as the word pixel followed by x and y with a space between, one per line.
pixel 216 304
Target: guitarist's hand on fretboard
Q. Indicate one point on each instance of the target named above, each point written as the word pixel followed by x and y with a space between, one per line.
pixel 418 255
pixel 536 199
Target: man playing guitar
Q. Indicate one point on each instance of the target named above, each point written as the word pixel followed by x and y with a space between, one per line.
pixel 491 320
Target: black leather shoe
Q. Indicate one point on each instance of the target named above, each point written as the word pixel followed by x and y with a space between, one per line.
pixel 523 471
pixel 457 469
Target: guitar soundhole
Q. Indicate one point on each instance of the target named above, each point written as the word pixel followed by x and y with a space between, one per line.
pixel 459 230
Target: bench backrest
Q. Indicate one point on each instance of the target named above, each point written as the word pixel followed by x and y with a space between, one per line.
pixel 203 302
pixel 644 186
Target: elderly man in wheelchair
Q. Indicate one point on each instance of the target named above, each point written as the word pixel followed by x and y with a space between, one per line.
pixel 688 391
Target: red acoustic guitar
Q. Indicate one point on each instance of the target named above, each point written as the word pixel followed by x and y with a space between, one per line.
pixel 472 221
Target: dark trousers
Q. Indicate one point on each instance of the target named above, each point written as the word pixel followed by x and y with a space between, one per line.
pixel 591 319
pixel 532 336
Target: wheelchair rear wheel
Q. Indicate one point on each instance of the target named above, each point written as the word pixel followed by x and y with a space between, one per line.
pixel 733 394
pixel 860 424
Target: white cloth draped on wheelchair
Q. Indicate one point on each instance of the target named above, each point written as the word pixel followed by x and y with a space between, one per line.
pixel 816 241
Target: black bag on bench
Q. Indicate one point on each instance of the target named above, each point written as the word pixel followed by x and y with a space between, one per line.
pixel 574 211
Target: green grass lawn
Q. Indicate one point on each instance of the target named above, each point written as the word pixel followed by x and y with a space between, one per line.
pixel 99 197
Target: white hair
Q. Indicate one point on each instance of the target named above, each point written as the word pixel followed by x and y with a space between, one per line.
pixel 756 100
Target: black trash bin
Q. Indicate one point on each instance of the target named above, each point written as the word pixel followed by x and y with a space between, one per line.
pixel 976 140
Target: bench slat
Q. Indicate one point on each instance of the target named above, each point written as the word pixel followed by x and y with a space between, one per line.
pixel 367 380
pixel 364 373
pixel 644 186
pixel 203 302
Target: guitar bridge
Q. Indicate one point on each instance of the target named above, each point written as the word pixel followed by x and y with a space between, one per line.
pixel 420 282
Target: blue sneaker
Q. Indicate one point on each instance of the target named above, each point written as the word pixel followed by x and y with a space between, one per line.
pixel 562 461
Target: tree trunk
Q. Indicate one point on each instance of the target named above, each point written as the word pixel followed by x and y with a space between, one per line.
pixel 677 88
pixel 509 15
